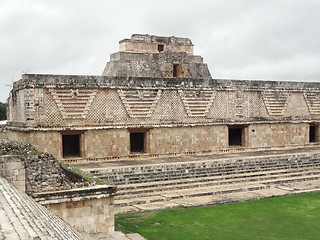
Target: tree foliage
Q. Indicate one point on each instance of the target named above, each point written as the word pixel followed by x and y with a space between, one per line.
pixel 3 111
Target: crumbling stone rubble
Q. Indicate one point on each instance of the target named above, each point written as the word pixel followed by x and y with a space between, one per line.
pixel 43 171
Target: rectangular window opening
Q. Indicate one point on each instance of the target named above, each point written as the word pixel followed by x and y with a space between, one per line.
pixel 235 137
pixel 137 142
pixel 313 136
pixel 160 47
pixel 176 70
pixel 71 145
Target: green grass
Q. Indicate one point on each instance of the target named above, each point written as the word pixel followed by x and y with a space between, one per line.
pixel 288 217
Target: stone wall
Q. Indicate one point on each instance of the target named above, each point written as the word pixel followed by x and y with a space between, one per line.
pixel 109 144
pixel 97 102
pixel 3 131
pixel 88 209
pixel 279 134
pixel 12 168
pixel 127 64
pixel 16 107
pixel 177 115
pixel 188 140
pixel 209 167
pixel 34 171
pixel 141 43
pixel 102 143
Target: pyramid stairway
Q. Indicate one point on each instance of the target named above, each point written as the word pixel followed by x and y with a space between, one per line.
pixel 209 180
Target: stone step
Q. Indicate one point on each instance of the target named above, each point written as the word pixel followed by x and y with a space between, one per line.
pixel 237 163
pixel 32 219
pixel 119 178
pixel 187 193
pixel 164 196
pixel 205 200
pixel 133 189
pixel 307 170
pixel 277 180
pixel 135 236
pixel 117 235
pixel 23 209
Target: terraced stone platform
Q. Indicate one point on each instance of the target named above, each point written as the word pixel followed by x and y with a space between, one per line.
pixel 159 183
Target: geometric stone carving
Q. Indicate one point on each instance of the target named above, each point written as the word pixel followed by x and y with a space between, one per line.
pixel 73 103
pixel 237 98
pixel 275 101
pixel 197 103
pixel 139 103
pixel 313 102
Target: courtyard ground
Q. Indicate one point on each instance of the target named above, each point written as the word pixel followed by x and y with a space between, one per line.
pixel 287 217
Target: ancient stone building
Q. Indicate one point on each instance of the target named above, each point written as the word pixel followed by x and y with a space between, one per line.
pixel 156 57
pixel 156 98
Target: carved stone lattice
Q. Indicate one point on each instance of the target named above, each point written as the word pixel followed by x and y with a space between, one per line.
pixel 255 105
pixel 275 101
pixel 139 103
pixel 220 107
pixel 52 112
pixel 169 107
pixel 197 103
pixel 73 103
pixel 238 104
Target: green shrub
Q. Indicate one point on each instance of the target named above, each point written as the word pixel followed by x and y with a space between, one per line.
pixel 3 111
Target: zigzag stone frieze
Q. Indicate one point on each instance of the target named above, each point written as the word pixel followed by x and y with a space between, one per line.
pixel 275 101
pixel 73 103
pixel 313 102
pixel 139 103
pixel 197 103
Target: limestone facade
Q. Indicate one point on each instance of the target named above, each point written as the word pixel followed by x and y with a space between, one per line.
pixel 89 210
pixel 138 109
pixel 156 57
pixel 12 169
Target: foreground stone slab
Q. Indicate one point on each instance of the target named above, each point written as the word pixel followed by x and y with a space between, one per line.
pixel 22 218
pixel 88 209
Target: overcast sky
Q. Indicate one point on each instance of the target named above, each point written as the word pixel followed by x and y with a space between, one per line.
pixel 239 39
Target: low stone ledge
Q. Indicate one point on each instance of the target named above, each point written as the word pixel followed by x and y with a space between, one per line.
pixel 89 209
pixel 12 168
pixel 77 194
pixel 86 81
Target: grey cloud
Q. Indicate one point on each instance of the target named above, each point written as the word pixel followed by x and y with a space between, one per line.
pixel 239 39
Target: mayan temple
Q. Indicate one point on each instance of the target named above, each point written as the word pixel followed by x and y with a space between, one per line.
pixel 156 98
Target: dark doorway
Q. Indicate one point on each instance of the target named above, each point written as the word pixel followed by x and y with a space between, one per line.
pixel 71 145
pixel 235 137
pixel 312 133
pixel 176 70
pixel 160 47
pixel 137 140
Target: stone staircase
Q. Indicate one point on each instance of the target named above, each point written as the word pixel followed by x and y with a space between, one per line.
pixel 23 218
pixel 209 180
pixel 131 196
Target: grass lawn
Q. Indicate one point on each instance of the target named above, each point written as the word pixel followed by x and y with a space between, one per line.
pixel 288 217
